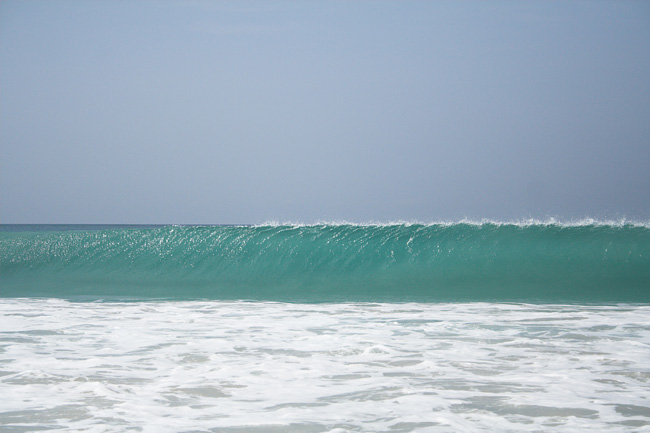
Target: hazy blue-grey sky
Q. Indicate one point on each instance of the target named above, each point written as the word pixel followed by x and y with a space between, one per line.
pixel 245 112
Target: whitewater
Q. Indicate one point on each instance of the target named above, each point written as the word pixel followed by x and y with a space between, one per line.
pixel 447 327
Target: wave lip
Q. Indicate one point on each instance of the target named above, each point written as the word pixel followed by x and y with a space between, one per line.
pixel 529 261
pixel 526 222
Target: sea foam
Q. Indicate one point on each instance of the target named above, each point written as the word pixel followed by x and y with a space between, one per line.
pixel 276 367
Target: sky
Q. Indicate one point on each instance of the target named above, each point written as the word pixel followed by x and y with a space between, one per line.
pixel 241 112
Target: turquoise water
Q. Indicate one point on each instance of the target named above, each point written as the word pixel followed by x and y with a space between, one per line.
pixel 538 262
pixel 412 328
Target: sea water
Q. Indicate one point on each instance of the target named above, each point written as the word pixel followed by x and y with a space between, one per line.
pixel 289 328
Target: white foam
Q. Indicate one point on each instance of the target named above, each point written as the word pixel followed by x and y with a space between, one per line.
pixel 524 222
pixel 265 367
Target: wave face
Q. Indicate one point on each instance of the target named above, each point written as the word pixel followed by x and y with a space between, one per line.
pixel 584 263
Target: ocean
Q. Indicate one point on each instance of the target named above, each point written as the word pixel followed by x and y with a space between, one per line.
pixel 445 327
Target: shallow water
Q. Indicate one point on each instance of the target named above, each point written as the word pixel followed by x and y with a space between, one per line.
pixel 219 366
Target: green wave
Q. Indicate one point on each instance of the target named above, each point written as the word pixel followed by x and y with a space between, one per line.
pixel 593 263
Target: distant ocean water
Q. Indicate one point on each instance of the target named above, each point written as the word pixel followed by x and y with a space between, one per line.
pixel 326 328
